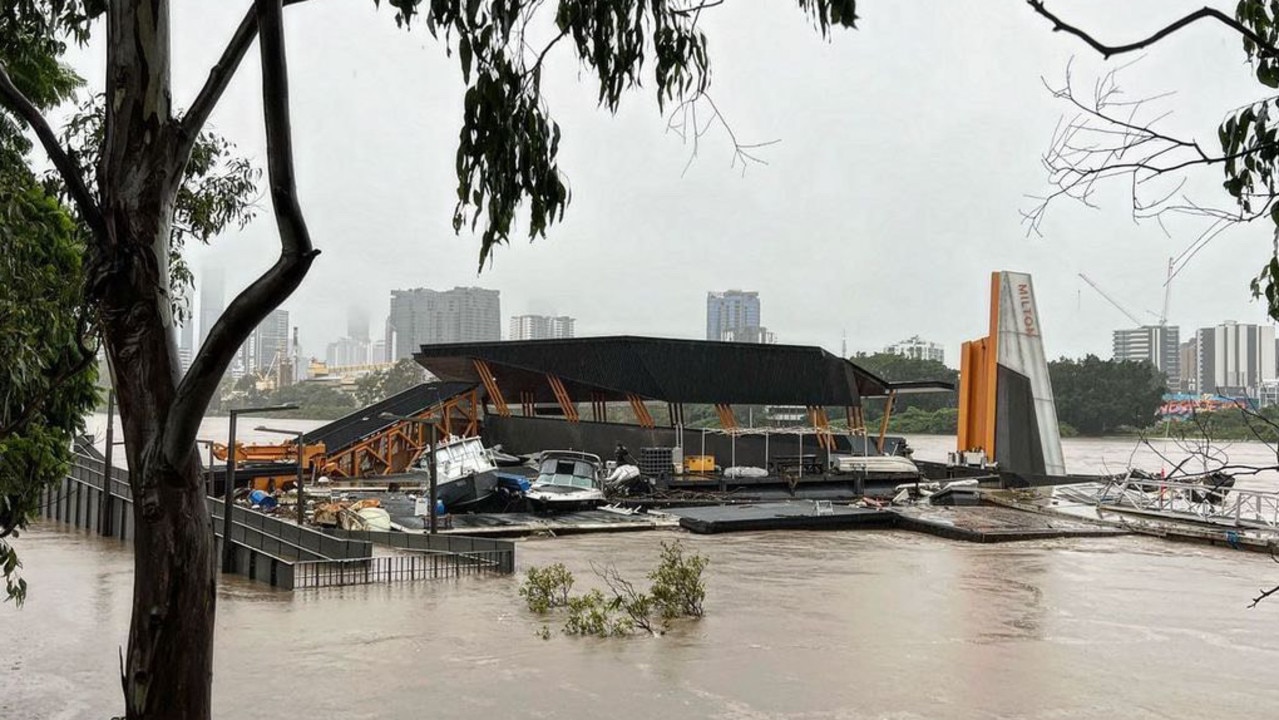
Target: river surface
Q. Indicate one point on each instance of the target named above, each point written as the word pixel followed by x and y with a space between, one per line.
pixel 870 624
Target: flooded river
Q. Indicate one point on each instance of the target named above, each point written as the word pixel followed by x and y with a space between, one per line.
pixel 879 624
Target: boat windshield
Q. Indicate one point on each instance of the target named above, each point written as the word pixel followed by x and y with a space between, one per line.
pixel 573 473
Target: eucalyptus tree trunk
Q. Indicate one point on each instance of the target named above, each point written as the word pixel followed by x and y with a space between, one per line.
pixel 169 662
pixel 169 665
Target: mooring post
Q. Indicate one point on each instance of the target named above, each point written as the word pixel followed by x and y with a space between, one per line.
pixel 228 487
pixel 434 487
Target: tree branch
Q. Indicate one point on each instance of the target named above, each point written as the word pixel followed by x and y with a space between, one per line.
pixel 219 78
pixel 18 103
pixel 266 293
pixel 1205 13
pixel 59 377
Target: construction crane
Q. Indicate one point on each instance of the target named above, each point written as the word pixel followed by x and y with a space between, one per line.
pixel 1163 314
pixel 1136 321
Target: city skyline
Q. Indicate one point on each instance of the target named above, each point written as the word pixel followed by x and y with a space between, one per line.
pixel 357 318
pixel 421 316
pixel 721 229
pixel 541 327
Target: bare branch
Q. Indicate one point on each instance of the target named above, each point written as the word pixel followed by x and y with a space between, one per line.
pixel 1108 138
pixel 697 8
pixel 1106 51
pixel 541 56
pixel 266 293
pixel 60 376
pixel 684 123
pixel 18 103
pixel 1263 594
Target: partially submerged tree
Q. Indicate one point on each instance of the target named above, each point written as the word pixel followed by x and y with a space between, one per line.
pixel 506 166
pixel 1110 138
pixel 48 330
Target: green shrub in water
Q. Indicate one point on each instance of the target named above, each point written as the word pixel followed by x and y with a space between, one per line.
pixel 546 588
pixel 677 591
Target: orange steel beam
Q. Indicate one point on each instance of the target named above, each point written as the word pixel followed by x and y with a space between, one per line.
pixel 490 384
pixel 883 424
pixel 978 384
pixel 822 423
pixel 397 447
pixel 642 414
pixel 726 418
pixel 856 419
pixel 991 368
pixel 561 394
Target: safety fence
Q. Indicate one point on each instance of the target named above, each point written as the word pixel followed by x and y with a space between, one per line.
pixel 400 568
pixel 503 551
pixel 276 551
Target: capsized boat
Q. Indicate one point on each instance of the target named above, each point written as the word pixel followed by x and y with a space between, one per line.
pixel 567 480
pixel 466 474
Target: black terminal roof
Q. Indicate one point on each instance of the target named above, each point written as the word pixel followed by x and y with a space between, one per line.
pixel 364 422
pixel 663 369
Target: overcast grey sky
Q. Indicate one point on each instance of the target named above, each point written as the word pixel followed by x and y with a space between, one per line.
pixel 906 150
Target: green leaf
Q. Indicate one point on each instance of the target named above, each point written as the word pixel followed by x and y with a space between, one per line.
pixel 464 53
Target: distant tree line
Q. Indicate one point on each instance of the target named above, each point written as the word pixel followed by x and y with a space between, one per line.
pixel 1101 397
pixel 1093 396
pixel 319 399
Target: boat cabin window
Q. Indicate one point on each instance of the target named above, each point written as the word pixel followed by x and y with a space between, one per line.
pixel 462 458
pixel 567 472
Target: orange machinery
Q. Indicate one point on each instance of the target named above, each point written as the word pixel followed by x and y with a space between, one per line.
pixel 392 448
pixel 249 456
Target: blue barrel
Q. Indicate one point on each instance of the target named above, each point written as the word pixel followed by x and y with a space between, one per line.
pixel 262 499
pixel 439 508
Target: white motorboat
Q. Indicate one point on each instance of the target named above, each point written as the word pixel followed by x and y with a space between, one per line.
pixel 567 480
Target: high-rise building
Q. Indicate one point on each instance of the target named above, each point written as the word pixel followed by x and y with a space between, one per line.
pixel 425 317
pixel 357 323
pixel 734 315
pixel 347 351
pixel 1159 345
pixel 186 342
pixel 1234 359
pixel 540 327
pixel 1188 353
pixel 267 345
pixel 212 299
pixel 919 349
pixel 750 334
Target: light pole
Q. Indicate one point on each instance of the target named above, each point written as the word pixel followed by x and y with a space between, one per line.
pixel 404 418
pixel 228 556
pixel 208 474
pixel 297 444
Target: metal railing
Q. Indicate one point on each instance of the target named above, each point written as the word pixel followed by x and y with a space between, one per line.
pixel 425 542
pixel 1202 502
pixel 282 553
pixel 287 539
pixel 399 568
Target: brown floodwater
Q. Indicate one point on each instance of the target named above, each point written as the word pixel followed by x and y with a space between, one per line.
pixel 880 624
